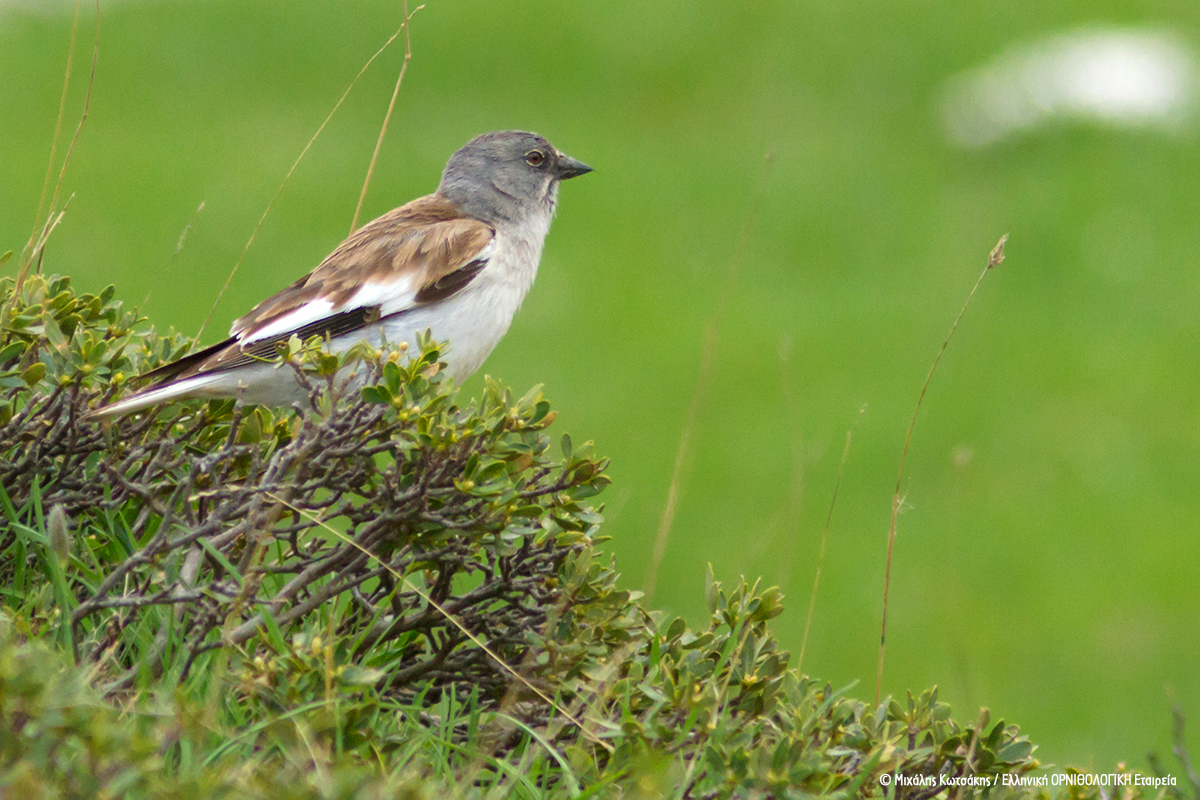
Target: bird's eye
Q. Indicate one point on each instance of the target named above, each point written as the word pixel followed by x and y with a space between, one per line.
pixel 534 158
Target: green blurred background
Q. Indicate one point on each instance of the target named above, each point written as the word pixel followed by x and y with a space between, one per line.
pixel 1047 560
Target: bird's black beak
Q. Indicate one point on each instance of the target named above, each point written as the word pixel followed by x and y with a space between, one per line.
pixel 570 168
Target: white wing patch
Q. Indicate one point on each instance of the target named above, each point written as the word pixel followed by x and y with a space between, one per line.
pixel 391 296
pixel 310 312
pixel 395 295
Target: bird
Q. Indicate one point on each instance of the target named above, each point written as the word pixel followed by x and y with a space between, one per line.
pixel 457 263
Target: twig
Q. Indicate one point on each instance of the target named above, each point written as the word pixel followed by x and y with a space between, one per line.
pixel 387 117
pixel 996 256
pixel 288 177
pixel 707 350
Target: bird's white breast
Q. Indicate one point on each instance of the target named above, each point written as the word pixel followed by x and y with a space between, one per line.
pixel 474 320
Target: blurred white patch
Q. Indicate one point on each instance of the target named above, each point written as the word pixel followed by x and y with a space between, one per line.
pixel 1120 77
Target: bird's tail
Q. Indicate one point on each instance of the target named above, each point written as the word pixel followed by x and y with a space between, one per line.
pixel 188 387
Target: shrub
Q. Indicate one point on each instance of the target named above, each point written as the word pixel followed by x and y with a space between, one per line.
pixel 401 522
pixel 382 590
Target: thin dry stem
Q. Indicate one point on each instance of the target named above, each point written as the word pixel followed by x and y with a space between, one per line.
pixel 62 108
pixel 388 116
pixel 47 229
pixel 33 250
pixel 87 106
pixel 994 258
pixel 711 336
pixel 288 177
pixel 812 599
pixel 187 229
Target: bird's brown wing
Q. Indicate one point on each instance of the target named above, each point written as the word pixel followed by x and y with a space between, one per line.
pixel 415 245
pixel 423 252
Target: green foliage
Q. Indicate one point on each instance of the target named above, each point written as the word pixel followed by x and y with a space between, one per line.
pixel 60 738
pixel 381 591
pixel 55 339
pixel 365 513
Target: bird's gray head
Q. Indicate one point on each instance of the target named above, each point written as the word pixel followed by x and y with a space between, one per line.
pixel 507 175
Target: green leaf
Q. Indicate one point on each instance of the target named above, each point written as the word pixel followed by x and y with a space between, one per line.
pixel 53 333
pixel 391 377
pixel 274 634
pixel 34 373
pixel 328 364
pixel 251 430
pixel 526 511
pixel 531 397
pixel 1015 751
pixel 377 395
pixel 11 352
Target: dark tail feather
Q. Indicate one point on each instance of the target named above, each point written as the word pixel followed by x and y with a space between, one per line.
pixel 185 365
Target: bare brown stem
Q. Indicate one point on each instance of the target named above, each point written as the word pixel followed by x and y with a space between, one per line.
pixel 33 248
pixel 62 107
pixel 288 177
pixel 388 116
pixel 994 258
